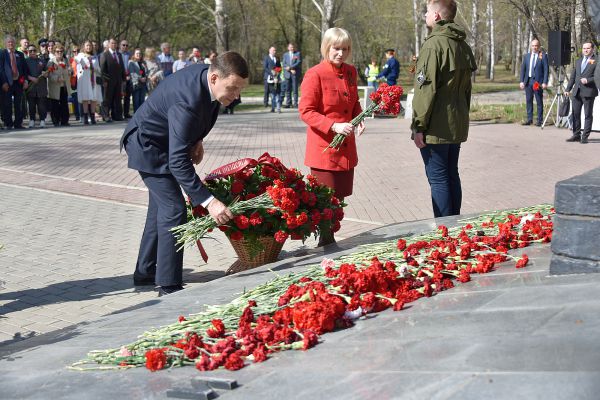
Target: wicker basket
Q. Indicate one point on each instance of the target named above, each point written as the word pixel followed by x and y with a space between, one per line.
pixel 271 249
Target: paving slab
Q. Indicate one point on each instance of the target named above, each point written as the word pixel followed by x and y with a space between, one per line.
pixel 510 334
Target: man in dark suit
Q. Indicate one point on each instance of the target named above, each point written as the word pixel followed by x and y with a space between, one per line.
pixel 13 81
pixel 113 76
pixel 292 69
pixel 534 79
pixel 269 63
pixel 583 91
pixel 163 141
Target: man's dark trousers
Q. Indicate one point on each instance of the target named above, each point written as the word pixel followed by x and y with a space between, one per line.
pixel 539 96
pixel 166 210
pixel 588 103
pixel 127 98
pixel 267 93
pixel 14 96
pixel 441 167
pixel 291 86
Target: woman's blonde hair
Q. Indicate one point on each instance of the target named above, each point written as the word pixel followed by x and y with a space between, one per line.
pixel 335 37
pixel 150 53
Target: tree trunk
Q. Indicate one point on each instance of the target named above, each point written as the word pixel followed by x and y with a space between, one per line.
pixel 328 10
pixel 416 19
pixel 474 33
pixel 491 47
pixel 222 37
pixel 518 47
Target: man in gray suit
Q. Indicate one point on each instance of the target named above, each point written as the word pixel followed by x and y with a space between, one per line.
pixel 583 91
pixel 163 141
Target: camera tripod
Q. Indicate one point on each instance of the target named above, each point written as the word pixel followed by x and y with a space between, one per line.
pixel 558 98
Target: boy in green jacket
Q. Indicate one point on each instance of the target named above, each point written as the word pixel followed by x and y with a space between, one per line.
pixel 441 104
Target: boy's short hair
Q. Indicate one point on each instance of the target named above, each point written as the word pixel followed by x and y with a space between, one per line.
pixel 446 8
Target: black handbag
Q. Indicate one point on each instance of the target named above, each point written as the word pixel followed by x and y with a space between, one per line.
pixel 564 106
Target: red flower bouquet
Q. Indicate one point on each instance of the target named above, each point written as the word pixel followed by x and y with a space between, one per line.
pixel 536 86
pixel 385 100
pixel 267 199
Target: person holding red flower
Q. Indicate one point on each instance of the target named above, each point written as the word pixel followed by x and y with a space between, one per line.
pixel 534 79
pixel 59 87
pixel 13 74
pixel 138 71
pixel 329 102
pixel 274 83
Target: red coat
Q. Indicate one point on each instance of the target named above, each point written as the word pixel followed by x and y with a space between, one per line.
pixel 329 96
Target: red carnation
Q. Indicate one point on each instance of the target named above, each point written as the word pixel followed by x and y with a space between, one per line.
pixel 156 359
pixel 536 86
pixel 523 261
pixel 241 221
pixel 310 339
pixel 401 244
pixel 218 330
pixel 237 187
pixel 234 362
pixel 236 235
pixel 281 236
pixel 260 354
pixel 255 219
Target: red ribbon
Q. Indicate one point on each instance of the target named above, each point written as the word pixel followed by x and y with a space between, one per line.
pixel 202 251
pixel 239 165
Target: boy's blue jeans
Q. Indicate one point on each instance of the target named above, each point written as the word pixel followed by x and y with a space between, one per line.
pixel 441 167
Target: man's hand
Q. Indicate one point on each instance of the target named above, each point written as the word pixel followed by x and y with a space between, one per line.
pixel 25 85
pixel 219 211
pixel 419 140
pixel 197 153
pixel 584 81
pixel 567 93
pixel 522 85
pixel 544 86
pixel 5 87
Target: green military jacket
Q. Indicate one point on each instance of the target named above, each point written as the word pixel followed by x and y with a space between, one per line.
pixel 443 85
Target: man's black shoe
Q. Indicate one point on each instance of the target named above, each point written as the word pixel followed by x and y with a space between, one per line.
pixel 574 138
pixel 527 123
pixel 584 139
pixel 139 280
pixel 165 290
pixel 538 123
pixel 128 116
pixel 108 120
pixel 288 106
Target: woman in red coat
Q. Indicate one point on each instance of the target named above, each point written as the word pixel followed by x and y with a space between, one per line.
pixel 329 102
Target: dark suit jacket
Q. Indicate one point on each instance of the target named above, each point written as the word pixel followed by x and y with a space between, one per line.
pixel 112 71
pixel 5 69
pixel 177 115
pixel 268 66
pixel 575 85
pixel 540 71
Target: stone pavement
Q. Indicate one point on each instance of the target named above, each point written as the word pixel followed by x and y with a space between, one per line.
pixel 71 213
pixel 511 334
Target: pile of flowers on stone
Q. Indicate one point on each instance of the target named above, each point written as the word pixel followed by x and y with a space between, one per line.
pixel 268 199
pixel 291 312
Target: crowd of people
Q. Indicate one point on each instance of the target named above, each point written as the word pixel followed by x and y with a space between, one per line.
pixel 107 83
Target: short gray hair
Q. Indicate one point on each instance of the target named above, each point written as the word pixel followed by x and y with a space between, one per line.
pixel 9 37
